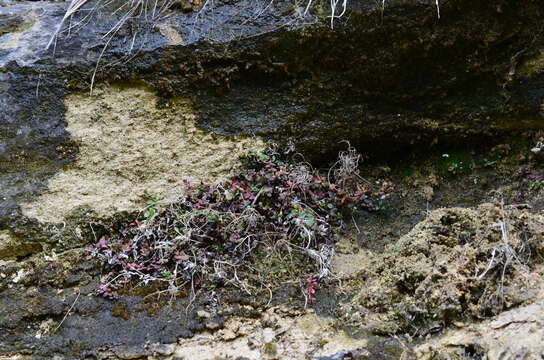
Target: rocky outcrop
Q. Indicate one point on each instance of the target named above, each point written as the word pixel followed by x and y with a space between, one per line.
pixel 384 80
pixel 456 265
pixel 181 97
pixel 129 146
pixel 514 334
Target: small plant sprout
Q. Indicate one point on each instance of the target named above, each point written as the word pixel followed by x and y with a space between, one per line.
pixel 455 167
pixel 536 185
pixel 310 289
pixel 151 208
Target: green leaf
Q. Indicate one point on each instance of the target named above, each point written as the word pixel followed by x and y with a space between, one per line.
pixel 149 212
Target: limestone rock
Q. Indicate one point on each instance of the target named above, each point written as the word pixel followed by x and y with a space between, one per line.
pixel 514 334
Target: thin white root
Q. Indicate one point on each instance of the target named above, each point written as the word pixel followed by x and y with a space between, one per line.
pixel 68 312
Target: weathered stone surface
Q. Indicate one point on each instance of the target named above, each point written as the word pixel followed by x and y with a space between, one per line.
pixel 514 334
pixel 384 81
pixel 387 81
pixel 11 248
pixel 128 145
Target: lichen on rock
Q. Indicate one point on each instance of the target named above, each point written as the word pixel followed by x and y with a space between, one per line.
pixel 128 143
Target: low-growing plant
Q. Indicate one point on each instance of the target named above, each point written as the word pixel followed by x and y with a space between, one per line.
pixel 152 200
pixel 536 185
pixel 211 230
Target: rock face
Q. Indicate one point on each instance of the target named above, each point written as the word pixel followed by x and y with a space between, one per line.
pixel 384 80
pixel 183 96
pixel 514 334
pixel 127 145
pixel 456 265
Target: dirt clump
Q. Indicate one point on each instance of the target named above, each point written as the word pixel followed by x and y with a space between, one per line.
pixel 458 264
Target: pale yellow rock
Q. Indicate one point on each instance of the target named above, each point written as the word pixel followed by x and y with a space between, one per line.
pixel 276 335
pixel 128 143
pixel 10 247
pixel 173 37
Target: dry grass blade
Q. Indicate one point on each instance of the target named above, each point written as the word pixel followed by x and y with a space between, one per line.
pixel 148 10
pixel 74 6
pixel 68 312
pixel 503 257
pixel 346 168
